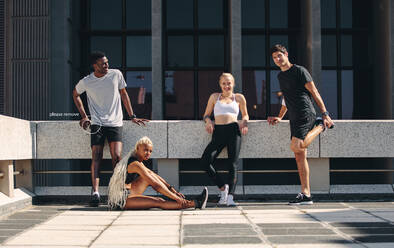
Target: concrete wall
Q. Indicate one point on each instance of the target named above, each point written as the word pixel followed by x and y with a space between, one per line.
pixel 66 140
pixel 17 139
pixel 21 139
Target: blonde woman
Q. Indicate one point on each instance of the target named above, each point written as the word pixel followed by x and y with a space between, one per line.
pixel 226 132
pixel 131 178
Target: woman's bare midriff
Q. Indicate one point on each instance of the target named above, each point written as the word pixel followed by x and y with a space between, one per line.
pixel 225 119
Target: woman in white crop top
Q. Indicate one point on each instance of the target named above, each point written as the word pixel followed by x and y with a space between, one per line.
pixel 226 132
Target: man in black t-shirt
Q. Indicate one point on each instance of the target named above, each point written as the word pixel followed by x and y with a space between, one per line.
pixel 298 89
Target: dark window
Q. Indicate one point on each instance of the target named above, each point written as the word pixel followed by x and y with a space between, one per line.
pixel 345 57
pixel 195 35
pixel 179 14
pixel 138 14
pixel 105 15
pixel 264 24
pixel 180 51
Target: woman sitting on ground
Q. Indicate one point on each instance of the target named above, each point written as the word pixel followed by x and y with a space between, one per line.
pixel 131 178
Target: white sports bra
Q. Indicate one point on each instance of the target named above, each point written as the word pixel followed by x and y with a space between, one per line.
pixel 231 108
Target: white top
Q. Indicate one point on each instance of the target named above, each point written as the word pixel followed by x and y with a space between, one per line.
pixel 231 108
pixel 103 97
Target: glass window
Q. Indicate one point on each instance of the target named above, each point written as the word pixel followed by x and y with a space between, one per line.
pixel 179 14
pixel 180 51
pixel 346 13
pixel 208 83
pixel 105 16
pixel 329 50
pixel 179 95
pixel 139 88
pixel 328 13
pixel 138 14
pixel 211 50
pixel 276 95
pixel 254 90
pixel 139 51
pixel 346 50
pixel 278 14
pixel 253 14
pixel 210 13
pixel 111 46
pixel 328 90
pixel 253 50
pixel 347 94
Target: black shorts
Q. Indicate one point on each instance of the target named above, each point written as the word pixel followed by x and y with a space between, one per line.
pixel 110 133
pixel 300 128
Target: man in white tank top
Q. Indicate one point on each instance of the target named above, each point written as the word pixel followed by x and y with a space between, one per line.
pixel 105 89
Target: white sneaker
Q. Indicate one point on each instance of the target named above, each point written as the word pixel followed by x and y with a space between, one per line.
pixel 223 196
pixel 230 201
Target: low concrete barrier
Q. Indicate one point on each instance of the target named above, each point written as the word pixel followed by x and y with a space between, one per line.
pixel 67 140
pixel 21 141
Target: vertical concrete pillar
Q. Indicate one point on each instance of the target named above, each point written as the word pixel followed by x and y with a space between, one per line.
pixel 157 67
pixel 7 181
pixel 169 170
pixel 236 55
pixel 311 37
pixel 319 171
pixel 236 43
pixel 24 180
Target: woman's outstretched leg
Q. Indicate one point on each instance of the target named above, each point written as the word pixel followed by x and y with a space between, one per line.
pixel 146 202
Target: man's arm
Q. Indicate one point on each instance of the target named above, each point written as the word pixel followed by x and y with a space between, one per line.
pixel 127 103
pixel 310 86
pixel 78 103
pixel 274 120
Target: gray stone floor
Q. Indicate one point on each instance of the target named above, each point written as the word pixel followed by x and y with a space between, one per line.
pixel 250 224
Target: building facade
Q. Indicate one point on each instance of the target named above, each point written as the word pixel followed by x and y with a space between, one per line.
pixel 171 53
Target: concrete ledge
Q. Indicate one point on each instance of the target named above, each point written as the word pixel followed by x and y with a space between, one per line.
pixel 188 139
pixel 66 140
pixel 362 189
pixel 17 139
pixel 22 199
pixel 358 138
pixel 76 191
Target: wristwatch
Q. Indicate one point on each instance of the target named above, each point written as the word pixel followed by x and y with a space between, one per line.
pixel 133 116
pixel 326 113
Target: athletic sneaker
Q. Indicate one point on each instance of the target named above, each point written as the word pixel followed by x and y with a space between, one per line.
pixel 319 121
pixel 302 199
pixel 230 201
pixel 201 201
pixel 94 200
pixel 223 196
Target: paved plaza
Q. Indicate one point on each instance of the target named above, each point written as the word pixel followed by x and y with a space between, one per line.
pixel 250 224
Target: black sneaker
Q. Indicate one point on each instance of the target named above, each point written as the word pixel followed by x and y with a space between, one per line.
pixel 201 201
pixel 319 121
pixel 302 199
pixel 94 200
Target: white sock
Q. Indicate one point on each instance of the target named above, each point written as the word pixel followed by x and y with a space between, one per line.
pixel 96 193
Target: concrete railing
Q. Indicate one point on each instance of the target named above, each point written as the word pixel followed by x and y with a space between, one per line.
pixel 21 141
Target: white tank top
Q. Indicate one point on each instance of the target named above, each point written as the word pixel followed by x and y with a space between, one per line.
pixel 231 108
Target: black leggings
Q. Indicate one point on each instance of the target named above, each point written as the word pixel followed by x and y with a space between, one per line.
pixel 223 135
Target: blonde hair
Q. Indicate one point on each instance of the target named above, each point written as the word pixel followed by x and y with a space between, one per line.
pixel 143 141
pixel 226 74
pixel 117 192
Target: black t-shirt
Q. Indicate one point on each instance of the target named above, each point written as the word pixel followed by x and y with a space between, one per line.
pixel 131 176
pixel 297 97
